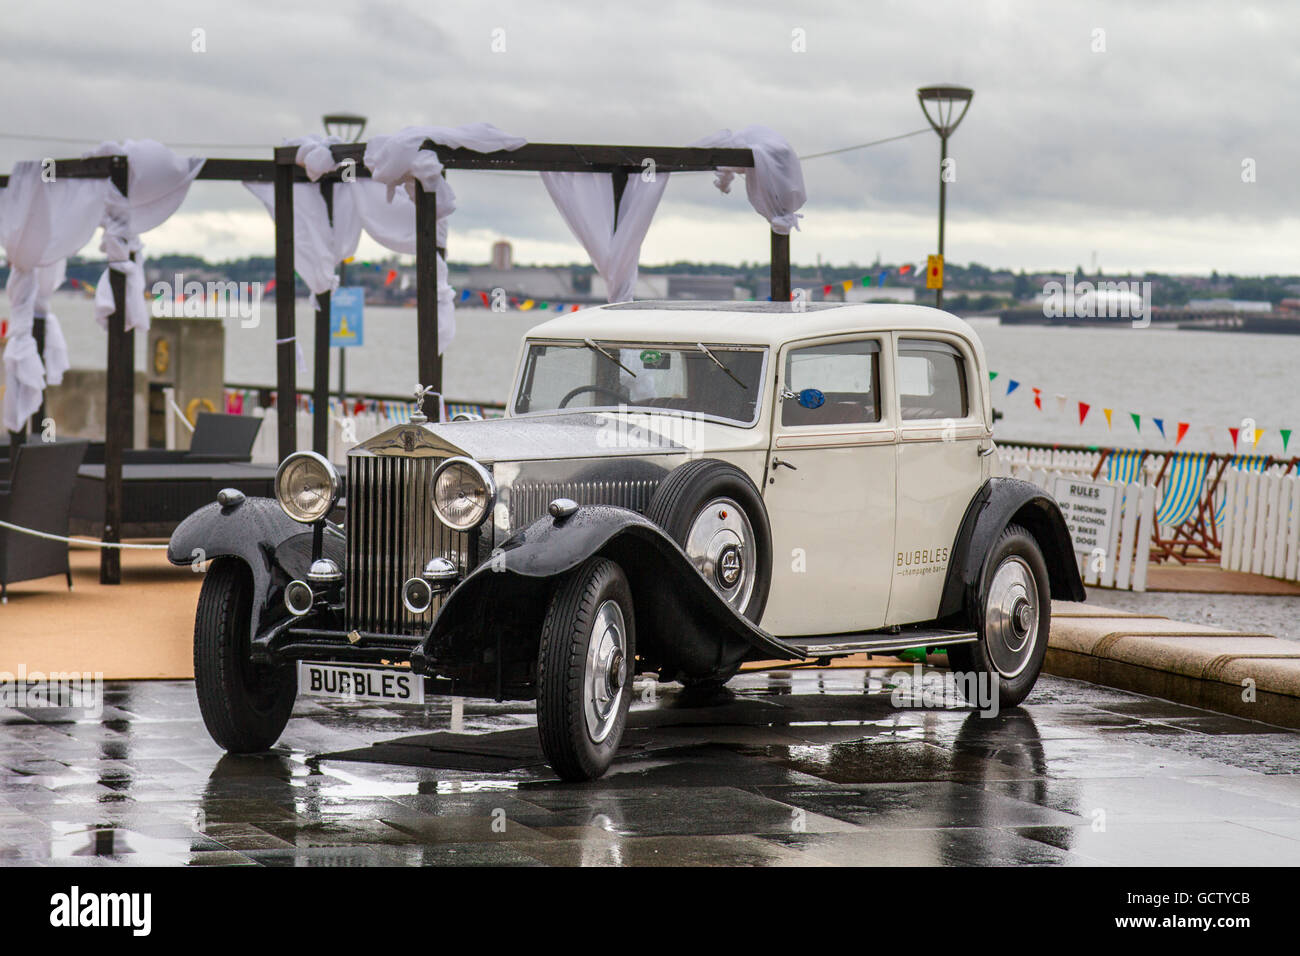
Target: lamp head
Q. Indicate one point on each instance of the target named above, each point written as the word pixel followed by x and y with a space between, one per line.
pixel 940 102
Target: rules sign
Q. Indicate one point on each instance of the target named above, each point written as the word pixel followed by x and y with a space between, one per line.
pixel 1089 508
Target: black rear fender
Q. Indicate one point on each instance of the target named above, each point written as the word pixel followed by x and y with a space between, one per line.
pixel 998 503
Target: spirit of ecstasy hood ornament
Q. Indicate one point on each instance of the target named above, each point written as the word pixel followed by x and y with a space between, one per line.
pixel 421 392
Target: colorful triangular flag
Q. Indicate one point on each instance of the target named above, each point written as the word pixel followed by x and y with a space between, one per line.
pixel 1233 432
pixel 1137 420
pixel 1160 424
pixel 1083 411
pixel 1012 385
pixel 1286 437
pixel 1182 430
pixel 1107 413
pixel 1038 398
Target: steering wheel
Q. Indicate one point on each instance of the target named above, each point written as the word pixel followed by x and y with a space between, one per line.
pixel 575 392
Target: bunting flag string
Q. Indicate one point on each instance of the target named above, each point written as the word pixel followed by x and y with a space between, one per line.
pixel 1246 434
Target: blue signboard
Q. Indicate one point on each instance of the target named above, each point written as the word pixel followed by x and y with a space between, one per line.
pixel 348 316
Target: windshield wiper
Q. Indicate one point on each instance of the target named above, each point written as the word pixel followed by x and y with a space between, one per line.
pixel 714 359
pixel 596 348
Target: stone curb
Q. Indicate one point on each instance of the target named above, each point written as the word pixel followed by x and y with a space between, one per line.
pixel 1186 663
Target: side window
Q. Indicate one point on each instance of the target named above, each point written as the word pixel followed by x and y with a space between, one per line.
pixel 832 384
pixel 931 380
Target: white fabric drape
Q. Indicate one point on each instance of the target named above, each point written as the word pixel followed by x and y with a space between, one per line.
pixel 775 182
pixel 376 204
pixel 397 160
pixel 586 201
pixel 388 213
pixel 41 223
pixel 55 354
pixel 157 184
pixel 318 244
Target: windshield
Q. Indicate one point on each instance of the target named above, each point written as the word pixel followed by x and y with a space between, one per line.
pixel 721 381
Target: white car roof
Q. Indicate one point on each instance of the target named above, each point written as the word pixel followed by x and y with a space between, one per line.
pixel 743 323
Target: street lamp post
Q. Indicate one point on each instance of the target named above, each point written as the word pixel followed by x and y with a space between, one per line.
pixel 944 100
pixel 347 127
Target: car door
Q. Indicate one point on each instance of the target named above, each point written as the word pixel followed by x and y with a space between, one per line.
pixel 830 487
pixel 942 434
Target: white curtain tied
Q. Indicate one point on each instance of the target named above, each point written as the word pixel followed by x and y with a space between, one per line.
pixel 775 182
pixel 586 201
pixel 376 204
pixel 48 279
pixel 319 243
pixel 41 224
pixel 388 213
pixel 157 183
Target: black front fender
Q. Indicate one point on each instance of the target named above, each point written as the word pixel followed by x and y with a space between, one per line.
pixel 275 548
pixel 998 503
pixel 683 626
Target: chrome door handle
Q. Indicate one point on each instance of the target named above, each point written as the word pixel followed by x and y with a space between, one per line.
pixel 778 463
pixel 985 452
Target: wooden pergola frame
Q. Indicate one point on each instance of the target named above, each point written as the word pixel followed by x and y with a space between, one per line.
pixel 284 172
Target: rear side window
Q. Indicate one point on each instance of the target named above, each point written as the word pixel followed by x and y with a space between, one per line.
pixel 931 380
pixel 832 384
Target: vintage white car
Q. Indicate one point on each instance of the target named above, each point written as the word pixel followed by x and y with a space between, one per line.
pixel 676 488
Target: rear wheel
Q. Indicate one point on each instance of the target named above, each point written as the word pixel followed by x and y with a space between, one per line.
pixel 1013 618
pixel 584 670
pixel 245 706
pixel 716 515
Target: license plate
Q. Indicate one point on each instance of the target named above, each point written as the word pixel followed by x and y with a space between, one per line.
pixel 389 685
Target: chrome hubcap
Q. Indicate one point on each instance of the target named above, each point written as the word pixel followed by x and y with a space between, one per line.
pixel 1011 617
pixel 604 678
pixel 720 543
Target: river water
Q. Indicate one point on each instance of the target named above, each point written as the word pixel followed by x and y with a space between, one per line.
pixel 1212 380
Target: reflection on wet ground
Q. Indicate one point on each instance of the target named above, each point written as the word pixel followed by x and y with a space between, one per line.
pixel 786 768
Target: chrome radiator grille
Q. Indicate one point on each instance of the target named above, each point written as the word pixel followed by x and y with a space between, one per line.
pixel 392 532
pixel 529 499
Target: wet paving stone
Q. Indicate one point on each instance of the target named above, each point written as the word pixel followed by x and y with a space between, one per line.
pixel 940 847
pixel 796 767
pixel 1174 844
pixel 1136 800
pixel 881 762
pixel 924 805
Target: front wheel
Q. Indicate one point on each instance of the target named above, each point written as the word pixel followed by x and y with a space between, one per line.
pixel 584 670
pixel 245 706
pixel 1013 619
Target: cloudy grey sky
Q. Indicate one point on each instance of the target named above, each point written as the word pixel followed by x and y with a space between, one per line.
pixel 1134 152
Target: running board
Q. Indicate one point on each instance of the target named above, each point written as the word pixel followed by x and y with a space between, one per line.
pixel 875 642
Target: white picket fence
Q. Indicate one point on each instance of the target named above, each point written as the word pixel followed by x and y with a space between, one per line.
pixel 1123 563
pixel 1260 528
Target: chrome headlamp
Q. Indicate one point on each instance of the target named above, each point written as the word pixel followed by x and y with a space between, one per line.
pixel 307 486
pixel 463 493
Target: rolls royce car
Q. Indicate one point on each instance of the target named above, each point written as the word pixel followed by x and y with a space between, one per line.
pixel 676 488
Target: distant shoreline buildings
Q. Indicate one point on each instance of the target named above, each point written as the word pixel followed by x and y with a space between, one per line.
pixel 970 289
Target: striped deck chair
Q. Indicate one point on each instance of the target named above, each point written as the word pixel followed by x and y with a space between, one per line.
pixel 1125 466
pixel 1181 489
